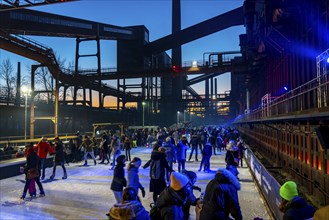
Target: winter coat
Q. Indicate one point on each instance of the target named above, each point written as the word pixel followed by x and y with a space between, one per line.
pixel 194 141
pixel 221 198
pixel 180 150
pixel 298 208
pixel 128 210
pixel 32 161
pixel 170 204
pixel 43 148
pixel 59 153
pixel 170 151
pixel 207 150
pixel 118 181
pixel 229 158
pixel 158 185
pixel 133 178
pixel 115 145
pixel 87 145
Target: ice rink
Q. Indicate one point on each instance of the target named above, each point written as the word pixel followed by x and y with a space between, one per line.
pixel 86 193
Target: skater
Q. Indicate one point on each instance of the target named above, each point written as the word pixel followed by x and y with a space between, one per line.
pixel 104 149
pixel 172 199
pixel 88 149
pixel 127 147
pixel 32 189
pixel 115 149
pixel 171 155
pixel 181 148
pixel 206 155
pixel 43 148
pixel 232 158
pixel 133 178
pixel 221 197
pixel 59 158
pixel 33 165
pixel 119 180
pixel 293 206
pixel 194 143
pixel 130 208
pixel 241 149
pixel 157 164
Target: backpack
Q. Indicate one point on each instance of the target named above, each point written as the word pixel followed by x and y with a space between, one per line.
pixel 155 213
pixel 155 169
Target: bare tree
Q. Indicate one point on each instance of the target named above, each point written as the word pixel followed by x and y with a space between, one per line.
pixel 7 74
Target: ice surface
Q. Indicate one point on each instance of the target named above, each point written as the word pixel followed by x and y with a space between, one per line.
pixel 86 193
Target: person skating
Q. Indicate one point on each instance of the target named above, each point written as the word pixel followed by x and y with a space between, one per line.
pixel 171 155
pixel 87 145
pixel 181 148
pixel 119 181
pixel 293 206
pixel 115 149
pixel 194 144
pixel 221 197
pixel 130 208
pixel 43 148
pixel 59 158
pixel 172 199
pixel 158 164
pixel 32 162
pixel 206 155
pixel 232 157
pixel 104 149
pixel 133 178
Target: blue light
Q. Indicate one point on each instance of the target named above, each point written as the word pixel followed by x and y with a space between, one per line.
pixel 328 60
pixel 285 88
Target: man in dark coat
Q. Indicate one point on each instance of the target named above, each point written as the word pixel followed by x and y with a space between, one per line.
pixel 221 197
pixel 59 158
pixel 159 184
pixel 119 180
pixel 292 205
pixel 172 199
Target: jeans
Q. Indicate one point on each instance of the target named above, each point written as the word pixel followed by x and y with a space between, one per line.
pixel 56 164
pixel 181 164
pixel 37 180
pixel 43 167
pixel 118 196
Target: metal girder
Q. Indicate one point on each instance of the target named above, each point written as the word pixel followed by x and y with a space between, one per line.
pixel 232 18
pixel 16 4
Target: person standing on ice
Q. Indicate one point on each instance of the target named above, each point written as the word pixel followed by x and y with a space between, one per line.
pixel 87 145
pixel 119 181
pixel 59 158
pixel 43 148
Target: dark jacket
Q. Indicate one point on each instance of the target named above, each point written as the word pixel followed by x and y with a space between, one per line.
pixel 32 161
pixel 297 209
pixel 158 185
pixel 229 158
pixel 221 198
pixel 59 153
pixel 119 180
pixel 126 210
pixel 170 203
pixel 207 150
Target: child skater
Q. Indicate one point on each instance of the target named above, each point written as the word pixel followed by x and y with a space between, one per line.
pixel 119 180
pixel 133 178
pixel 32 189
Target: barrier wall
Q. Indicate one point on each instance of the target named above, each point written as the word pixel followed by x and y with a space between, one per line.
pixel 266 182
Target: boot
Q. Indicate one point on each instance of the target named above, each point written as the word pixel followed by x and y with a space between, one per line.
pixel 23 196
pixel 95 162
pixel 42 194
pixel 85 164
pixel 65 176
pixel 52 176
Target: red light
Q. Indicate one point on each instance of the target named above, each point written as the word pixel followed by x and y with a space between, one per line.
pixel 176 69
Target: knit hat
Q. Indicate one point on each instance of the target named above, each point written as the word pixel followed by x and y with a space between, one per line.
pixel 178 181
pixel 288 190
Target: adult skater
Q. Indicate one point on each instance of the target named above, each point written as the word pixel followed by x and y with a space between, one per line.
pixel 119 180
pixel 43 148
pixel 59 158
pixel 87 145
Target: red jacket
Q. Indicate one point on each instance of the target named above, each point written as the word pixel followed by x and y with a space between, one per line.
pixel 43 148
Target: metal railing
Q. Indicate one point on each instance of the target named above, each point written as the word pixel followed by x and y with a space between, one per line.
pixel 306 99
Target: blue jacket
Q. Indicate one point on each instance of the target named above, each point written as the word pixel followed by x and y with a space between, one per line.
pixel 221 198
pixel 180 150
pixel 298 208
pixel 170 151
pixel 133 178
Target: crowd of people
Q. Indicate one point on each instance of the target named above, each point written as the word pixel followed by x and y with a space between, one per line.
pixel 172 189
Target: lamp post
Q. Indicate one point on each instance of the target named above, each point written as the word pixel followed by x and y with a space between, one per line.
pixel 177 118
pixel 143 104
pixel 26 92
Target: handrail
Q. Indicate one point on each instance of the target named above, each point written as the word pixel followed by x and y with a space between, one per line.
pixel 312 95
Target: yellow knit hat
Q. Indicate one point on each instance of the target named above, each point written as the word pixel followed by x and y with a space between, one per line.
pixel 178 181
pixel 288 190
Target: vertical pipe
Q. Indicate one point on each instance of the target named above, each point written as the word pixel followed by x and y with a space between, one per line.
pixel 98 71
pixel 76 69
pixel 18 84
pixel 247 100
pixel 33 69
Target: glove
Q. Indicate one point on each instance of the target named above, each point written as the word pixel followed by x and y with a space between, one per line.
pixel 143 192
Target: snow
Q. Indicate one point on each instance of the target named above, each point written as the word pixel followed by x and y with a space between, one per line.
pixel 86 193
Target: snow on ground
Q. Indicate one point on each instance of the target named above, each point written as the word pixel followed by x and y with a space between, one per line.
pixel 86 194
